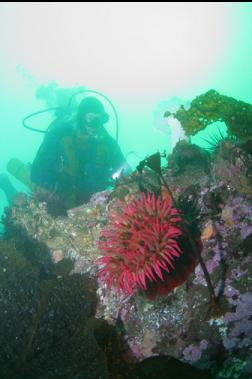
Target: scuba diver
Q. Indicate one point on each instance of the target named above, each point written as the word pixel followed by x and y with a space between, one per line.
pixel 78 157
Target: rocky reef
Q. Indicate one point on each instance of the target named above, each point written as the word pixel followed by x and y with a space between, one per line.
pixel 181 325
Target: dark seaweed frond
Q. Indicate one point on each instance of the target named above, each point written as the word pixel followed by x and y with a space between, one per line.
pixel 188 204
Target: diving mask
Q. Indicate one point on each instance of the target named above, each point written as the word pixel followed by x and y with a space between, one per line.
pixel 95 119
pixel 94 124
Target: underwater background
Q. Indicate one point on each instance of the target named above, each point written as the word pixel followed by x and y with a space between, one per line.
pixel 145 57
pixel 152 277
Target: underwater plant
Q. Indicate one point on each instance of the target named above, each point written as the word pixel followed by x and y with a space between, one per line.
pixel 211 107
pixel 145 247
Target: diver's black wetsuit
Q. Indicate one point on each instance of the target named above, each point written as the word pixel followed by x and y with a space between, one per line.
pixel 76 165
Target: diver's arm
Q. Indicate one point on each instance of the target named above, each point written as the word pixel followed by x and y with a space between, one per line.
pixel 118 160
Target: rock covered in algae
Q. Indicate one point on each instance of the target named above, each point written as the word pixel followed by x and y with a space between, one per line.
pixel 43 315
pixel 180 323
